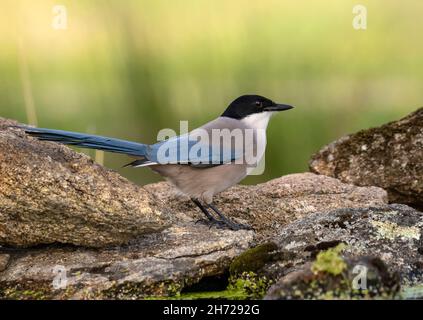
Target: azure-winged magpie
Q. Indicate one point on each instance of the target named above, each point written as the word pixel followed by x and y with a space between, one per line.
pixel 197 164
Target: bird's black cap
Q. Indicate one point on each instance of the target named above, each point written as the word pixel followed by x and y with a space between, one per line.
pixel 246 105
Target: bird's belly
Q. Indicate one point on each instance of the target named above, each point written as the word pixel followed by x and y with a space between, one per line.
pixel 202 183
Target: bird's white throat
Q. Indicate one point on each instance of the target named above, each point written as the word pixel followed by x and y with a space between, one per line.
pixel 258 120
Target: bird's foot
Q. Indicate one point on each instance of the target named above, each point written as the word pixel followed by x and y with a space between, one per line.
pixel 223 223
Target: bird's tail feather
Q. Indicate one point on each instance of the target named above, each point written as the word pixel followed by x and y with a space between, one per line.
pixel 140 163
pixel 89 141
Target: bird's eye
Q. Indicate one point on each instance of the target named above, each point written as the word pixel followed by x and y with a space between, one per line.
pixel 258 103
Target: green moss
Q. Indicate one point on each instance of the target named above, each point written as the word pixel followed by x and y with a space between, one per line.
pixel 330 261
pixel 248 285
pixel 17 294
pixel 253 259
pixel 253 285
pixel 224 294
pixel 26 290
pixel 173 288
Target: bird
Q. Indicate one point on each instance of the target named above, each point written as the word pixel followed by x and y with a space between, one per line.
pixel 196 163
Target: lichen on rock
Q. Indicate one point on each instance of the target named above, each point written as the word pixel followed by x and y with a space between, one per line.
pixel 391 230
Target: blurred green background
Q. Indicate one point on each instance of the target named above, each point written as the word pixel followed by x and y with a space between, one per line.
pixel 130 68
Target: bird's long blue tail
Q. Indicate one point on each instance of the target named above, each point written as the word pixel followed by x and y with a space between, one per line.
pixel 89 141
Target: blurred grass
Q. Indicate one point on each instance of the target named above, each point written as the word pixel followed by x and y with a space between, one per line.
pixel 130 68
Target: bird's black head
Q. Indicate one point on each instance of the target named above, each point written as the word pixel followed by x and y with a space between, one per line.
pixel 250 104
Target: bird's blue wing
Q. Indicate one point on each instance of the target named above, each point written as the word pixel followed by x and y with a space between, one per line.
pixel 186 150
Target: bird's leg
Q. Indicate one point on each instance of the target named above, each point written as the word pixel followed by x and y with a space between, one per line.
pixel 204 210
pixel 232 225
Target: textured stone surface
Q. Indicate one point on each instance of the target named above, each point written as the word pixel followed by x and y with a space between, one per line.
pixel 167 262
pixel 156 264
pixel 390 157
pixel 391 233
pixel 4 260
pixel 306 283
pixel 52 195
pixel 269 206
pixel 49 193
pixel 387 240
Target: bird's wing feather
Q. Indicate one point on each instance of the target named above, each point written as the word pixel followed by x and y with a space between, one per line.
pixel 185 150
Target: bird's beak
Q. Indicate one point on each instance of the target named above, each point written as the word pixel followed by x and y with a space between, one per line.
pixel 278 107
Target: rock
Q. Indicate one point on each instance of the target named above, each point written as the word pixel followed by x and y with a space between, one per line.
pixel 150 242
pixel 269 206
pixel 49 193
pixel 391 233
pixel 307 283
pixel 390 157
pixel 186 255
pixel 4 260
pixel 154 265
